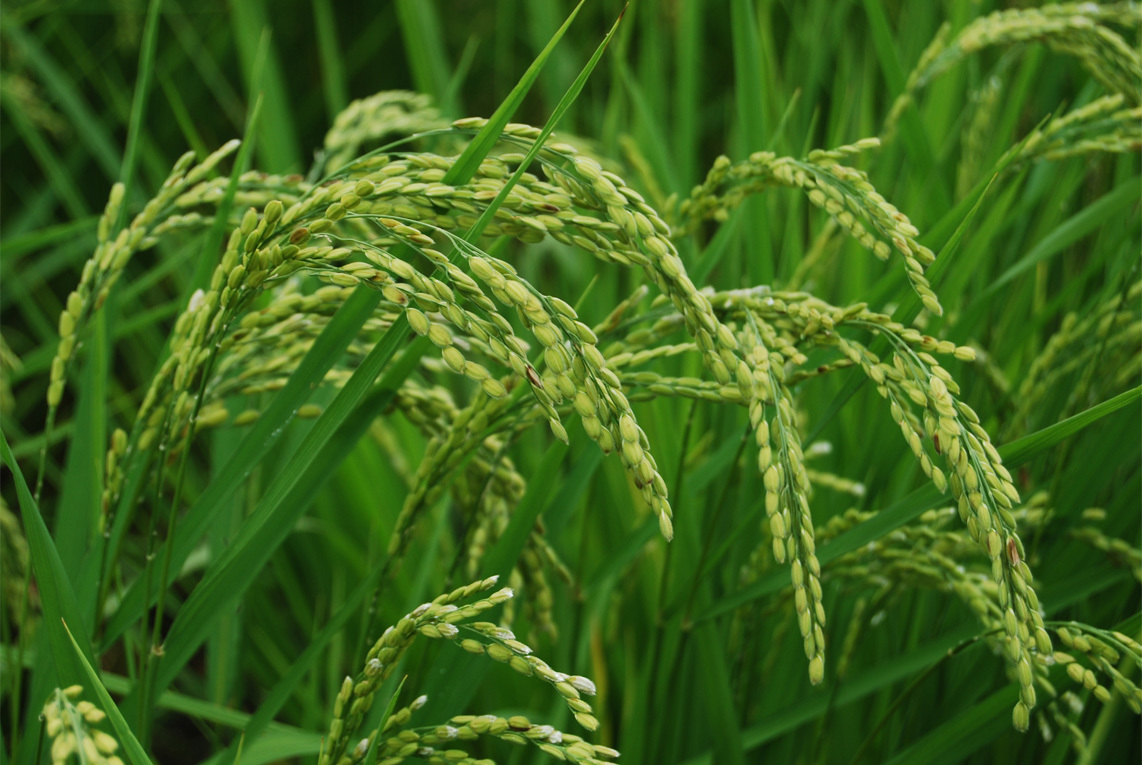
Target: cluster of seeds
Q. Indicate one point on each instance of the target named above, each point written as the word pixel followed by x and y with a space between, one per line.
pixel 1118 552
pixel 574 365
pixel 893 563
pixel 443 454
pixel 444 618
pixel 787 488
pixel 1107 339
pixel 1105 651
pixel 433 620
pixel 260 355
pixel 622 228
pixel 575 369
pixel 441 743
pixel 488 487
pixel 645 386
pixel 981 485
pixel 268 247
pixel 366 120
pixel 977 141
pixel 781 320
pixel 500 644
pixel 842 191
pixel 114 250
pixel 1093 659
pixel 1104 126
pixel 70 724
pixel 113 484
pixel 255 189
pixel 1074 29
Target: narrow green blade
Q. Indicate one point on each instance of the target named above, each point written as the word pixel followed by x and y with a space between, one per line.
pixel 131 746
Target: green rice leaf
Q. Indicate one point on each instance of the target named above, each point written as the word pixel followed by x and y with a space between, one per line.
pixel 272 520
pixel 131 746
pixel 57 599
pixel 263 434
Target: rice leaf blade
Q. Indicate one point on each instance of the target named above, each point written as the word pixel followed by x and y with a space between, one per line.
pixel 131 746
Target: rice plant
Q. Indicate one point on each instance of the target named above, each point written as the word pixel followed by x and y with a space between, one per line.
pixel 772 372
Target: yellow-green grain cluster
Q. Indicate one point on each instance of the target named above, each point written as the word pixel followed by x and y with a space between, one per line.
pixel 781 463
pixel 842 191
pixel 448 618
pixel 446 743
pixel 70 725
pixel 388 114
pixel 1081 30
pixel 436 620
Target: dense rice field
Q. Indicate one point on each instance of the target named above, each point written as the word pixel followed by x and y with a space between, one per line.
pixel 705 381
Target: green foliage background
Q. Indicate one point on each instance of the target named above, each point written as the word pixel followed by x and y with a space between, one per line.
pixel 684 673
